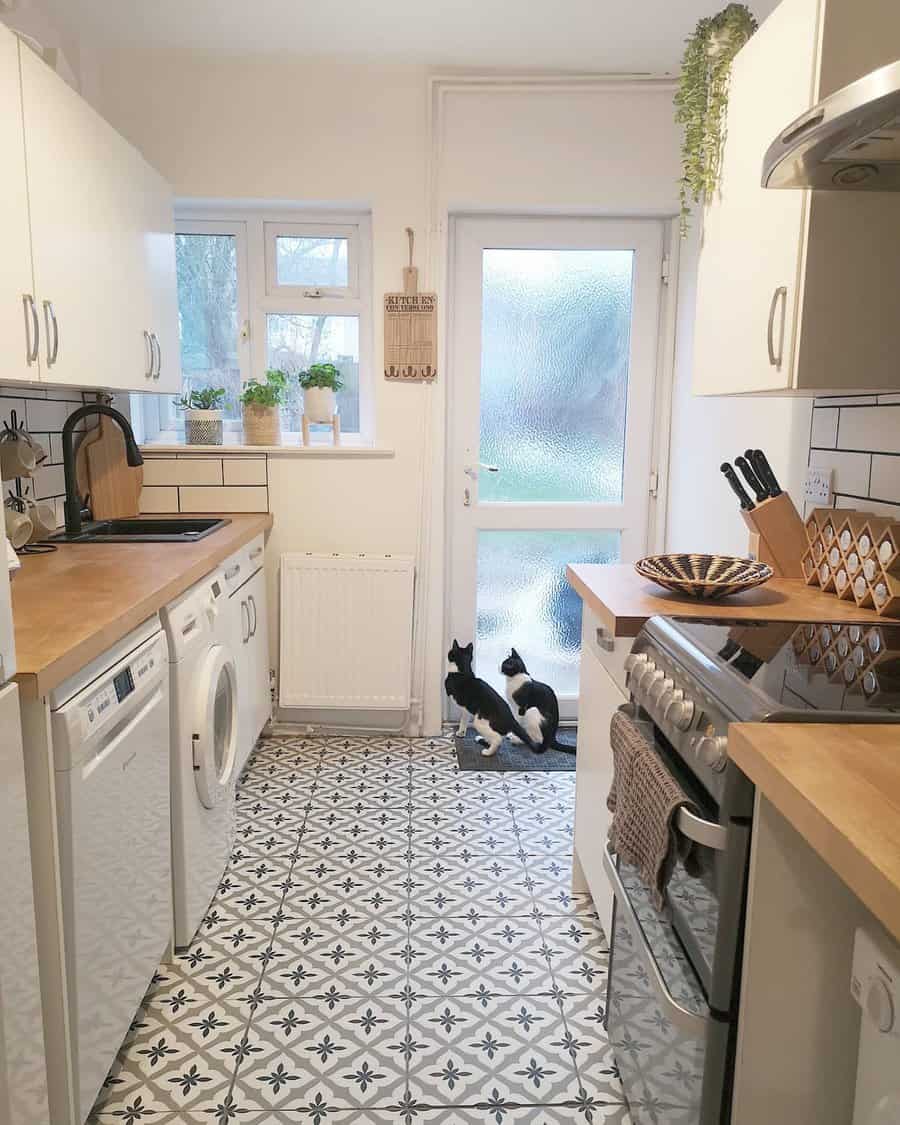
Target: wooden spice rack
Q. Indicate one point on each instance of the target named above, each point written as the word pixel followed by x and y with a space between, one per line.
pixel 856 557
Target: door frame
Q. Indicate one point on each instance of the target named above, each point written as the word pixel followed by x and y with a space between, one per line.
pixel 659 406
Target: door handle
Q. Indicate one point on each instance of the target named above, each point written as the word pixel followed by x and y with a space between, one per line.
pixel 472 470
pixel 245 607
pixel 148 374
pixel 155 339
pixel 251 603
pixel 779 294
pixel 32 329
pixel 50 320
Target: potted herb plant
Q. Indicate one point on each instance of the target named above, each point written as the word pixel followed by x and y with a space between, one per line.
pixel 320 384
pixel 203 411
pixel 261 408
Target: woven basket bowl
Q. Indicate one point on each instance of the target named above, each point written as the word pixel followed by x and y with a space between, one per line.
pixel 703 576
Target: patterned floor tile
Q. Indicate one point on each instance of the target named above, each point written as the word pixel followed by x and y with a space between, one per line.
pixel 393 941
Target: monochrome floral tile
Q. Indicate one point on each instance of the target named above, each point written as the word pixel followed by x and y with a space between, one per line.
pixel 392 941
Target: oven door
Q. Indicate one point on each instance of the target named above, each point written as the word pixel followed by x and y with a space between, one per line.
pixel 658 1019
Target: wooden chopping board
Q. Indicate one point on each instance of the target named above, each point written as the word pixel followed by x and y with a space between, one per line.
pixel 115 487
pixel 82 480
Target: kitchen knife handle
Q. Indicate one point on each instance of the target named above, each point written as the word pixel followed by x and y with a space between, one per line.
pixel 752 479
pixel 763 469
pixel 738 489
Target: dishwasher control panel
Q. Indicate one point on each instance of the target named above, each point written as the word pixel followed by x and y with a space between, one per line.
pixel 103 701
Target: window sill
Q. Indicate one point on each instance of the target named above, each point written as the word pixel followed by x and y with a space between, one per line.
pixel 350 446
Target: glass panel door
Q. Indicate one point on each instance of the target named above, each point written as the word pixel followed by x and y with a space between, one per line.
pixel 553 361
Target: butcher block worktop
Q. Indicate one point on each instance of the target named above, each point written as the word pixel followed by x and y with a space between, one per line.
pixel 839 787
pixel 72 605
pixel 623 601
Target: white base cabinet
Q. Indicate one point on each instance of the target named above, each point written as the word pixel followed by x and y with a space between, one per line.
pixel 88 234
pixel 796 290
pixel 601 692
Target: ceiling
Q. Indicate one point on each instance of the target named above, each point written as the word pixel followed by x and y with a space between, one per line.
pixel 611 36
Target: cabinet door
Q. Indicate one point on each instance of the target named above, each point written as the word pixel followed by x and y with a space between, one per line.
pixel 753 239
pixel 84 192
pixel 159 266
pixel 599 696
pixel 258 654
pixel 16 280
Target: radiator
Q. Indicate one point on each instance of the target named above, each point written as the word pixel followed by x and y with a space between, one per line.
pixel 346 631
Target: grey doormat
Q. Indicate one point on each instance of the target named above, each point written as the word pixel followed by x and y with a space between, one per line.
pixel 514 759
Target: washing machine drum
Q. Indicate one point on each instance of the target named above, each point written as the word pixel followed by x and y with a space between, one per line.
pixel 215 730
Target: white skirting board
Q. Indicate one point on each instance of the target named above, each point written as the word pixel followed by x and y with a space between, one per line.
pixel 346 631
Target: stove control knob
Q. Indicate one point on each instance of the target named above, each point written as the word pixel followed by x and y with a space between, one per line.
pixel 659 688
pixel 651 677
pixel 633 659
pixel 645 669
pixel 665 698
pixel 680 711
pixel 712 750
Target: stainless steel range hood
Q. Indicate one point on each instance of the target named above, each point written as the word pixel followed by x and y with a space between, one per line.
pixel 850 141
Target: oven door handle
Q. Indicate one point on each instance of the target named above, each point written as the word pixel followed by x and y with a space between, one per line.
pixel 689 1022
pixel 701 831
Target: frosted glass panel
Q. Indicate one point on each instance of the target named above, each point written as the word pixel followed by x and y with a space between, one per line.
pixel 554 374
pixel 523 600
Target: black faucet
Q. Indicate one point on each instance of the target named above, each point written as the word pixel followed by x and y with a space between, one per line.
pixel 132 455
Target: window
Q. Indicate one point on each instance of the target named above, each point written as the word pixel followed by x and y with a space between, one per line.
pixel 256 292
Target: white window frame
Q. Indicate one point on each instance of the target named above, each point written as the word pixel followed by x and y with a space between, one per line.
pixel 272 231
pixel 255 228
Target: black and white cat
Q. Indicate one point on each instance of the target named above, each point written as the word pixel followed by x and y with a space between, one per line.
pixel 490 712
pixel 536 704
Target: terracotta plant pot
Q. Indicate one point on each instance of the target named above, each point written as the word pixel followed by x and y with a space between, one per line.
pixel 262 424
pixel 203 427
pixel 319 404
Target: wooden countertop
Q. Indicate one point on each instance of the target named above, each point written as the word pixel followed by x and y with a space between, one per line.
pixel 73 604
pixel 839 786
pixel 623 601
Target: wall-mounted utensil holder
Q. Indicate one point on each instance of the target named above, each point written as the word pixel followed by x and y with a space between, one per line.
pixel 778 536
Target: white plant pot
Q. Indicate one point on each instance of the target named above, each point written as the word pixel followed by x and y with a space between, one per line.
pixel 203 427
pixel 319 404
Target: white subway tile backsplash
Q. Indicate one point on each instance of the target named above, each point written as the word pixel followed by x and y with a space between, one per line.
pixel 223 499
pixel 846 400
pixel 49 480
pixel 48 414
pixel 244 470
pixel 888 398
pixel 183 470
pixel 876 507
pixel 158 500
pixel 824 427
pixel 851 470
pixel 875 428
pixel 885 477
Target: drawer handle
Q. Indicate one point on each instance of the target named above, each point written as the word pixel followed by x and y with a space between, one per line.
pixel 689 1022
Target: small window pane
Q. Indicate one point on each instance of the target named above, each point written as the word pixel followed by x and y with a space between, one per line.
pixel 296 340
pixel 311 260
pixel 208 314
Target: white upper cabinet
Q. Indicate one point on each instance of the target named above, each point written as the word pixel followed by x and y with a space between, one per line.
pixel 18 320
pixel 102 249
pixel 797 289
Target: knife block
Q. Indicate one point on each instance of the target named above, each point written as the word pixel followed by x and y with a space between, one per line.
pixel 777 535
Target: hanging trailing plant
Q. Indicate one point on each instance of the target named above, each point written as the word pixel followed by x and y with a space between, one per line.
pixel 702 100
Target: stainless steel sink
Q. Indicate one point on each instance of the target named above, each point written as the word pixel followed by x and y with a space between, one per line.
pixel 142 531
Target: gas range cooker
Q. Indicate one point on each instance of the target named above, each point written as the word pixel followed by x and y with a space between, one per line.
pixel 694 676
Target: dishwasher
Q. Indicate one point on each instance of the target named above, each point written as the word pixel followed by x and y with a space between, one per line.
pixel 110 731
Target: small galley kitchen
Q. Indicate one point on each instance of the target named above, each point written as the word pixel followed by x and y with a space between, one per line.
pixel 450 636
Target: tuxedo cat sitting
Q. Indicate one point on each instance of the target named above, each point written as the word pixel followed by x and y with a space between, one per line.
pixel 490 712
pixel 535 703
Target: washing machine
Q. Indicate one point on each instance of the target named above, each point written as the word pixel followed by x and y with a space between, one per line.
pixel 204 710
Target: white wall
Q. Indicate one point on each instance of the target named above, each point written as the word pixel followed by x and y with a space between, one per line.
pixel 703 511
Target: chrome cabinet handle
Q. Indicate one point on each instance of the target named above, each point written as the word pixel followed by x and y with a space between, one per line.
pixel 779 294
pixel 50 319
pixel 32 329
pixel 690 1022
pixel 154 339
pixel 148 374
pixel 244 638
pixel 251 602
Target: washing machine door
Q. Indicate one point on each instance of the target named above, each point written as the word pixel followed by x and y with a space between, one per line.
pixel 215 731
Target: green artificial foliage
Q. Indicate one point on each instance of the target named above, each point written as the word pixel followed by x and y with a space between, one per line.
pixel 702 100
pixel 321 375
pixel 208 398
pixel 269 393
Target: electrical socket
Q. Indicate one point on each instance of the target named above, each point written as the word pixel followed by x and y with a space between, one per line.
pixel 817 487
